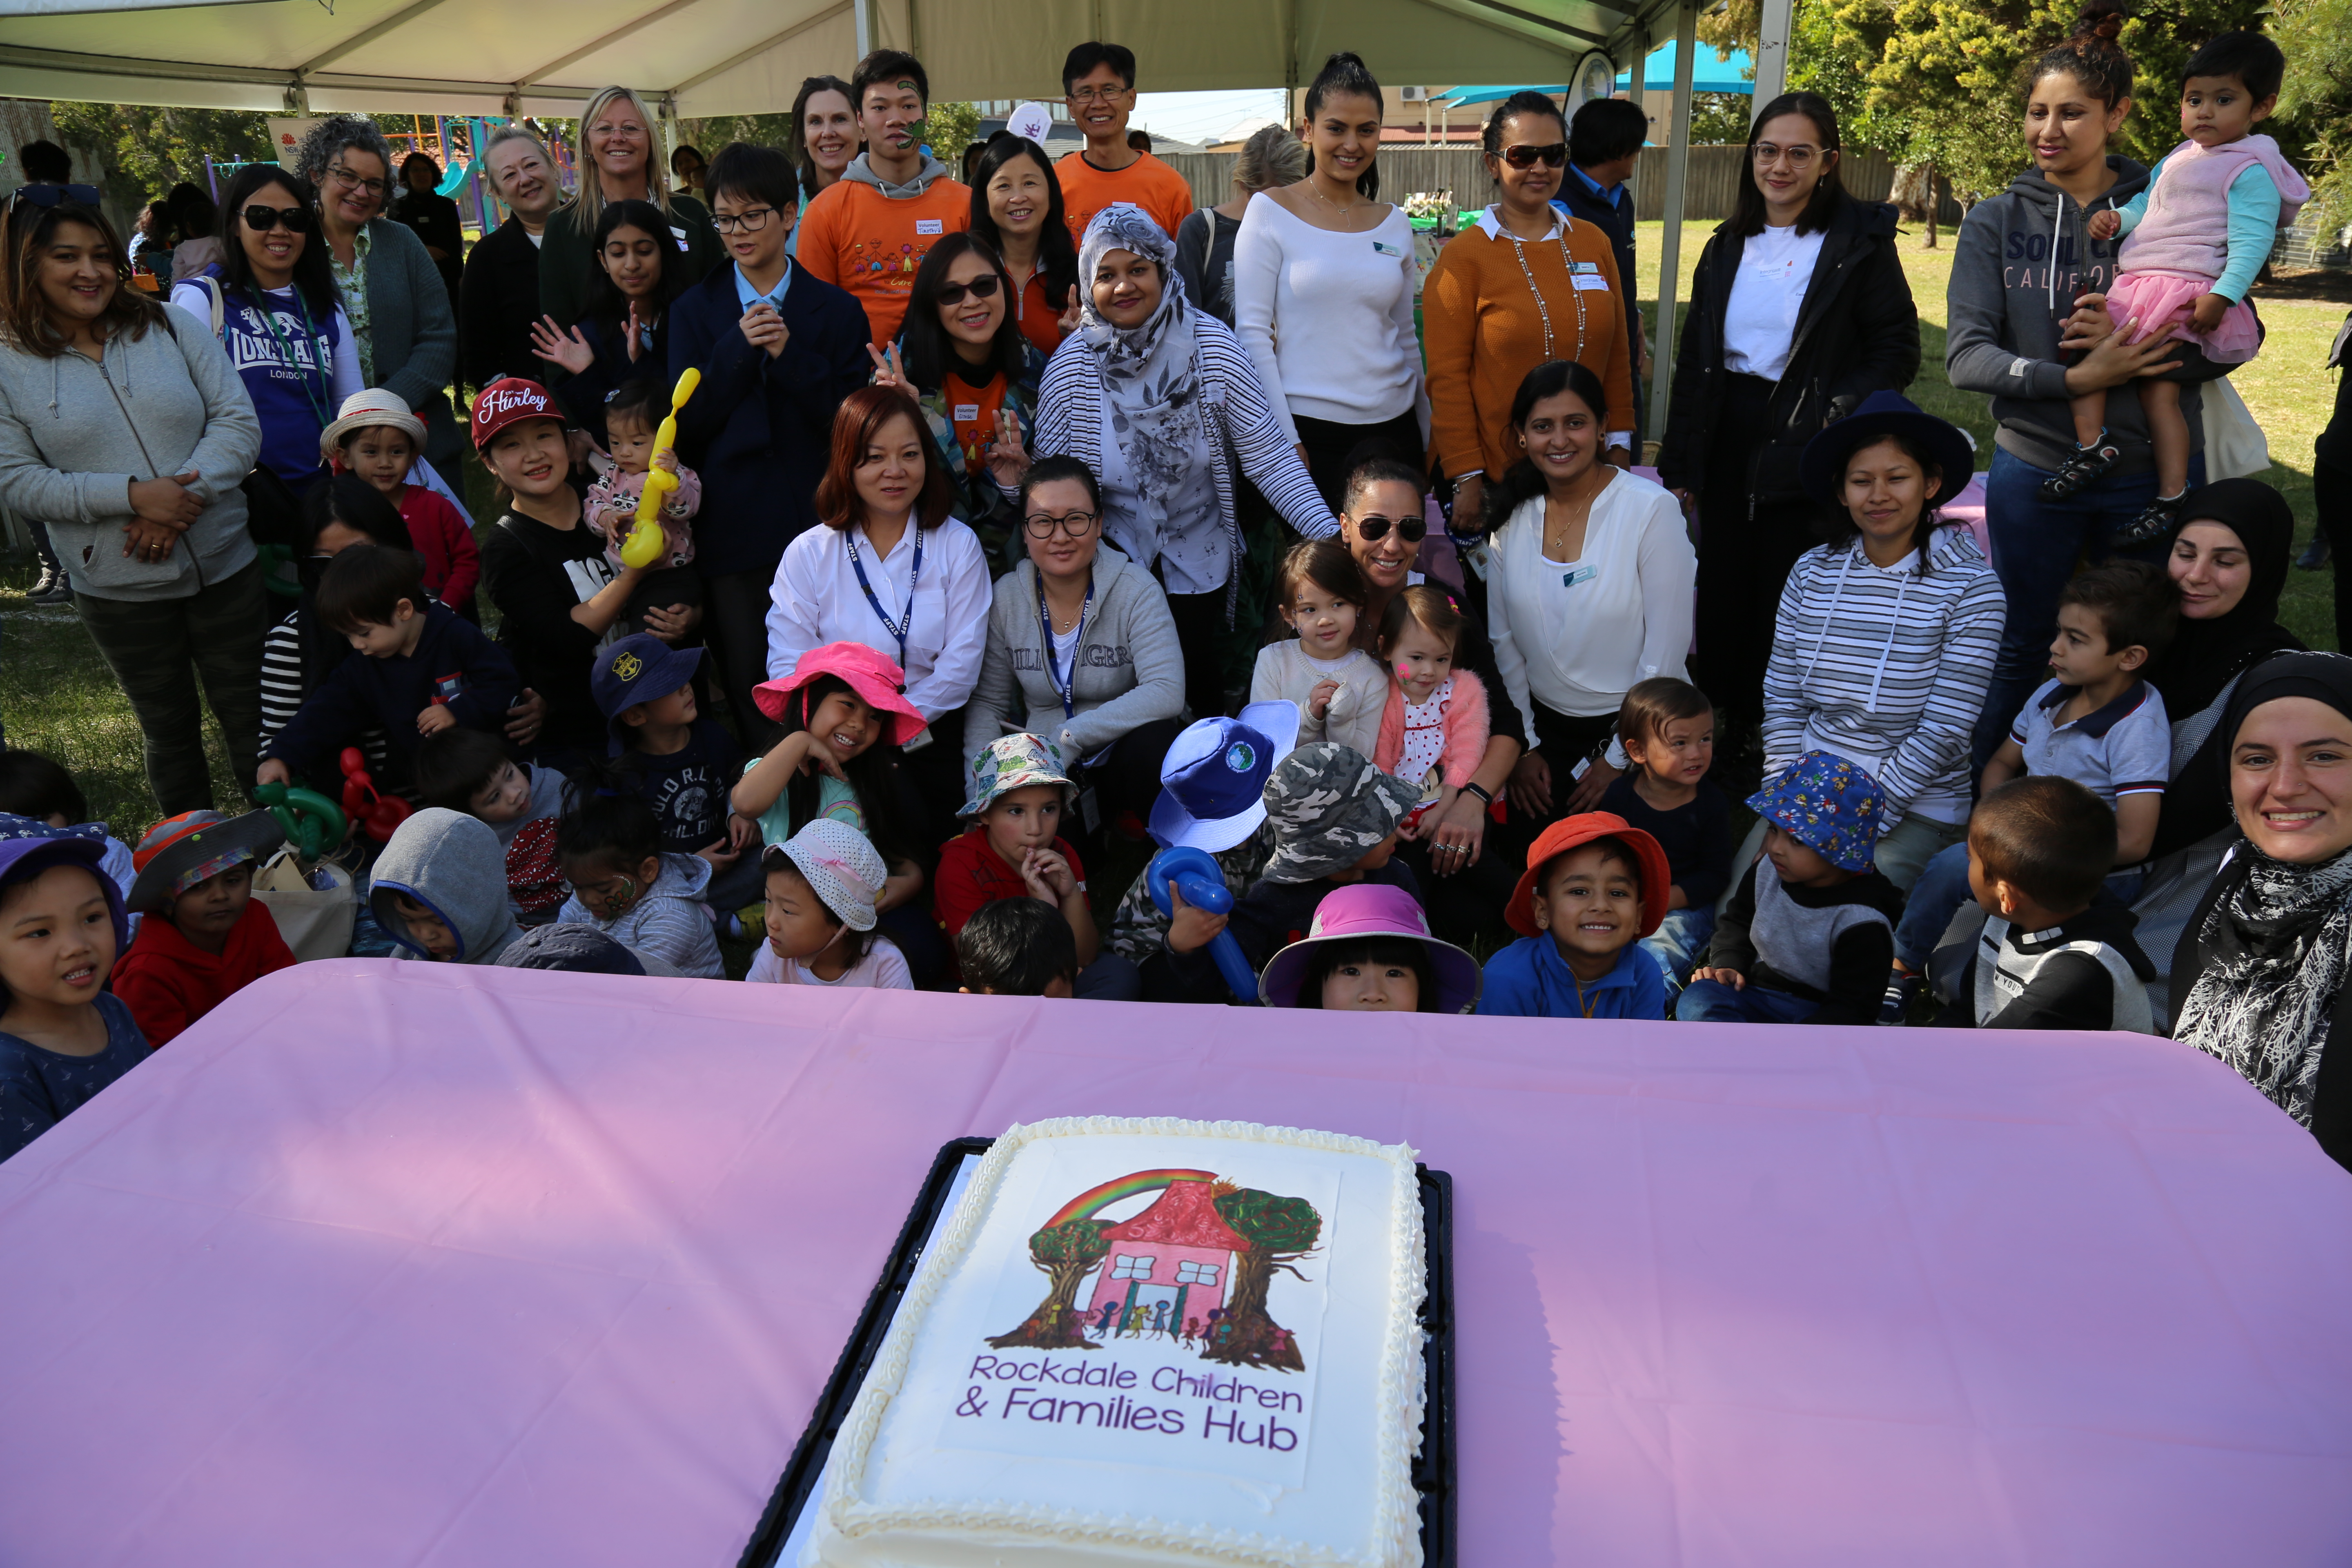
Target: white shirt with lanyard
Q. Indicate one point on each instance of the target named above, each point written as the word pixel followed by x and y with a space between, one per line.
pixel 833 586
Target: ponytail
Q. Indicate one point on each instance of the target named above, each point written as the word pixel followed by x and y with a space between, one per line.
pixel 1345 73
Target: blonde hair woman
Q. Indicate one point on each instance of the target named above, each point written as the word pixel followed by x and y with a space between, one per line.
pixel 1273 156
pixel 619 162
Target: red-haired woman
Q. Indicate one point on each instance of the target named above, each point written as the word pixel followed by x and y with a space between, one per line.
pixel 890 569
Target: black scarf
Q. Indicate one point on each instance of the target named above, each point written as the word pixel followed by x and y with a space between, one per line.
pixel 2206 656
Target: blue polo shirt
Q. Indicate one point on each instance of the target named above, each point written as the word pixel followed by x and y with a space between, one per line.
pixel 2123 748
pixel 1529 979
pixel 1614 195
pixel 749 296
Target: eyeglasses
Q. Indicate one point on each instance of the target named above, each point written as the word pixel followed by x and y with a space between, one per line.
pixel 49 195
pixel 1373 528
pixel 751 221
pixel 262 219
pixel 1523 156
pixel 351 181
pixel 1799 157
pixel 980 287
pixel 1076 525
pixel 1096 94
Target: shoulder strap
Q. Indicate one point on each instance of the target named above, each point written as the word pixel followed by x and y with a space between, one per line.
pixel 211 285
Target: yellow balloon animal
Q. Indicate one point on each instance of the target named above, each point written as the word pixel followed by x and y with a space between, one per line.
pixel 644 545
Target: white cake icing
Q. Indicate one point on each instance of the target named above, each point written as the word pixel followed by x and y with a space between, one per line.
pixel 1280 1431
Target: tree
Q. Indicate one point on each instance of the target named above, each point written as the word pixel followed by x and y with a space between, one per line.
pixel 707 136
pixel 949 131
pixel 2314 116
pixel 1065 1254
pixel 1278 1232
pixel 146 150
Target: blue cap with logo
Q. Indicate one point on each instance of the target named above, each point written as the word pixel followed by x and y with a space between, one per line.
pixel 640 668
pixel 1212 785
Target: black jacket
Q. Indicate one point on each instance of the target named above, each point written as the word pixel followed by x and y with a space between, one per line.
pixel 498 300
pixel 584 396
pixel 1614 219
pixel 1858 333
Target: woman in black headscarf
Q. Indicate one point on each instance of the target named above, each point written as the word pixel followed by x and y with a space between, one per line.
pixel 2258 978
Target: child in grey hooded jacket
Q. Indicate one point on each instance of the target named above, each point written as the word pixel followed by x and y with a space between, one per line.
pixel 649 899
pixel 440 889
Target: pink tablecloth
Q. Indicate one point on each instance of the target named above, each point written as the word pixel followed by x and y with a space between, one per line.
pixel 385 1265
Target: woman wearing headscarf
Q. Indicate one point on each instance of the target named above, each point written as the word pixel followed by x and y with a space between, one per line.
pixel 2258 978
pixel 1158 398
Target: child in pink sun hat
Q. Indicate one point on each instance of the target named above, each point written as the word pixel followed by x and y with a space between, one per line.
pixel 1369 951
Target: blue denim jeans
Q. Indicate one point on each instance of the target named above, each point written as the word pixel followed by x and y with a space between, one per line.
pixel 1940 891
pixel 1681 938
pixel 1713 1001
pixel 2035 543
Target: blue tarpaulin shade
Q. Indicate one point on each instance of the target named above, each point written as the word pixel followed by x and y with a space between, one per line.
pixel 1708 73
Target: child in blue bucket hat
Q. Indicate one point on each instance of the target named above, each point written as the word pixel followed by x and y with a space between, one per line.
pixel 1808 936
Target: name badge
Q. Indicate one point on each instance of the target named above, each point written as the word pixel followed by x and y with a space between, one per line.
pixel 1386 249
pixel 1578 575
pixel 927 225
pixel 1585 266
pixel 1592 280
pixel 966 413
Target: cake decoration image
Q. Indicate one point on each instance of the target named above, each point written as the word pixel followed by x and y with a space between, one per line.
pixel 1195 1267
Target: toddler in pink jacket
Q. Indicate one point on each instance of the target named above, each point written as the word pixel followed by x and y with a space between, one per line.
pixel 1434 730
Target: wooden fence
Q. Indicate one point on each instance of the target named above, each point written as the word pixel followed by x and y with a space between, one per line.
pixel 1712 181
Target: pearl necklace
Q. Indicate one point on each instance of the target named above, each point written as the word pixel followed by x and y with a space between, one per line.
pixel 1519 250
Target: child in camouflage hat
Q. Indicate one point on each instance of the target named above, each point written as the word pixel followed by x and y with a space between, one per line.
pixel 1334 818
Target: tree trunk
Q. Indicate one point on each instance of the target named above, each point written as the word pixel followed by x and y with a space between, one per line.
pixel 1914 196
pixel 1055 1325
pixel 1245 1335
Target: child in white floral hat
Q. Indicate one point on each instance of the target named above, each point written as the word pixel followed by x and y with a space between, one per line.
pixel 822 886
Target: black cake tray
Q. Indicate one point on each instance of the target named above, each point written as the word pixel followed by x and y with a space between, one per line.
pixel 1433 1468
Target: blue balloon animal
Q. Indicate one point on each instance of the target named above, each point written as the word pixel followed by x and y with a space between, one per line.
pixel 1195 875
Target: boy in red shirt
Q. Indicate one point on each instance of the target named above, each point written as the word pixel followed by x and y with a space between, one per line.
pixel 1013 849
pixel 380 440
pixel 205 937
pixel 1099 80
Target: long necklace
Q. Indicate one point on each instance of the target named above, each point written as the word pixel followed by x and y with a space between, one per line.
pixel 1519 250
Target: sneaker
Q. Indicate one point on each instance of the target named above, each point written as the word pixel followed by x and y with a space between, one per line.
pixel 2161 518
pixel 52 589
pixel 1902 988
pixel 2316 554
pixel 2087 466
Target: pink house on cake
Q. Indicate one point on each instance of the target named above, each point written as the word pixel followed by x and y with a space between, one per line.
pixel 1178 1252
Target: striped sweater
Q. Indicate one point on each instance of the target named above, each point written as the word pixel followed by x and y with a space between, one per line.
pixel 1887 667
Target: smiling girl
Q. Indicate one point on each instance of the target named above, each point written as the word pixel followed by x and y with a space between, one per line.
pixel 619 337
pixel 62 1036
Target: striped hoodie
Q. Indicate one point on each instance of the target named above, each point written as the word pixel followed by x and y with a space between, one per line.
pixel 1887 667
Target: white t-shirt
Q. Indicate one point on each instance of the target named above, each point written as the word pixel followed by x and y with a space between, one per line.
pixel 1327 317
pixel 884 968
pixel 1760 319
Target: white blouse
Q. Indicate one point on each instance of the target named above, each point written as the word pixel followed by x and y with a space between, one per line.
pixel 1576 636
pixel 1328 317
pixel 817 599
pixel 1760 319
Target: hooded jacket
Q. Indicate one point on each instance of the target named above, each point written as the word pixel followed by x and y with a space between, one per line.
pixel 2023 257
pixel 1126 671
pixel 1887 667
pixel 453 865
pixel 75 433
pixel 1857 333
pixel 668 925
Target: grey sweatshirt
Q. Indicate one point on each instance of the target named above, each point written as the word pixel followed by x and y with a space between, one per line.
pixel 2023 257
pixel 1126 671
pixel 75 433
pixel 454 866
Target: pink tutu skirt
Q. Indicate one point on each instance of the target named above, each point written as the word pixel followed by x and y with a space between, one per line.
pixel 2162 301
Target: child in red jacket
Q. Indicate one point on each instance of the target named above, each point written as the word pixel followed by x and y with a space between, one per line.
pixel 207 937
pixel 381 441
pixel 1434 730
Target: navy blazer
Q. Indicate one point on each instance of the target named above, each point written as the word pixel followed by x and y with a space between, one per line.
pixel 759 429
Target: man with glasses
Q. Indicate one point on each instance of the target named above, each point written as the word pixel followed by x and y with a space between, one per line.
pixel 778 349
pixel 1604 143
pixel 1098 79
pixel 869 230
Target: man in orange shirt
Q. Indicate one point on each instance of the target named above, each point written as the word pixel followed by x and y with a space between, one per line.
pixel 868 231
pixel 1099 81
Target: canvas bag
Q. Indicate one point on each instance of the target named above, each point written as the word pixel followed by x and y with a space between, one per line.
pixel 316 921
pixel 2235 447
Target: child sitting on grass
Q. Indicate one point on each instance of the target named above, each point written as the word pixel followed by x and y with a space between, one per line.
pixel 627 886
pixel 1667 728
pixel 63 1037
pixel 1368 951
pixel 38 786
pixel 1017 947
pixel 426 670
pixel 467 770
pixel 681 762
pixel 1013 848
pixel 2055 953
pixel 376 437
pixel 1594 887
pixel 1809 934
pixel 1341 689
pixel 822 884
pixel 440 889
pixel 631 418
pixel 211 937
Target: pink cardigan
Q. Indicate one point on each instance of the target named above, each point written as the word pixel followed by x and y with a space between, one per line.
pixel 1465 731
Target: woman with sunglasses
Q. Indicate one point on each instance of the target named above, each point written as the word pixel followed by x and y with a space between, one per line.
pixel 965 361
pixel 1799 311
pixel 620 335
pixel 1525 285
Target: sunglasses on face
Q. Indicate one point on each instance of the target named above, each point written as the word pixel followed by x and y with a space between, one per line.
pixel 1373 528
pixel 262 219
pixel 980 287
pixel 1523 156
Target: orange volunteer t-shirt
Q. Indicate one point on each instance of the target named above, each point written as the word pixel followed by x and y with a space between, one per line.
pixel 855 238
pixel 1147 182
pixel 1039 319
pixel 972 410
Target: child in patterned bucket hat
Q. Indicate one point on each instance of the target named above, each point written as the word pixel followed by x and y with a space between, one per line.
pixel 1810 934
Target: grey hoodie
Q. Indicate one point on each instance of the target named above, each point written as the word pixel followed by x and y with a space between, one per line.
pixel 1126 671
pixel 452 864
pixel 2023 257
pixel 75 433
pixel 862 173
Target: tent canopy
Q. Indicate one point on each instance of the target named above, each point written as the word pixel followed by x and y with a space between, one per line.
pixel 1736 75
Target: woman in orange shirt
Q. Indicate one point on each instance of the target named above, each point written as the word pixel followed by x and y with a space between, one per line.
pixel 1016 208
pixel 1524 285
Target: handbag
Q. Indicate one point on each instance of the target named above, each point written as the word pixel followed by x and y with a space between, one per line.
pixel 315 913
pixel 2234 444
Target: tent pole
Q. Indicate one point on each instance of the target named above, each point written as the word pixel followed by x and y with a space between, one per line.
pixel 1662 341
pixel 869 26
pixel 1771 55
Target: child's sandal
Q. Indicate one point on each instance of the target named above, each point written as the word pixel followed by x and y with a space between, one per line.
pixel 2162 516
pixel 2087 466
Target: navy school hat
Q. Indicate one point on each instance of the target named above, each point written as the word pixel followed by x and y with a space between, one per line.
pixel 1941 443
pixel 640 668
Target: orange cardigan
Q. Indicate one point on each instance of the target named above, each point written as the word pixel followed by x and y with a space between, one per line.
pixel 1483 334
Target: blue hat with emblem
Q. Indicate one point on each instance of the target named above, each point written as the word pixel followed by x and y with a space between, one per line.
pixel 639 667
pixel 1212 785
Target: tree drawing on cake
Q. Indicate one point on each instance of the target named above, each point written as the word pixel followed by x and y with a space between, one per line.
pixel 1066 1252
pixel 1276 1233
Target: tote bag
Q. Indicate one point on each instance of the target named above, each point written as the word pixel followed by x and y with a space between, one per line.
pixel 315 921
pixel 2234 444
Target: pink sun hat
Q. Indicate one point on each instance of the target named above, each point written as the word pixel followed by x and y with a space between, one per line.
pixel 881 684
pixel 1360 911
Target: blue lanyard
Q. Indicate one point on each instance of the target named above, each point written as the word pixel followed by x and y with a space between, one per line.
pixel 1077 641
pixel 906 622
pixel 286 351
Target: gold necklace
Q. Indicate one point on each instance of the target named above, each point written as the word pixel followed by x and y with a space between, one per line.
pixel 1315 189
